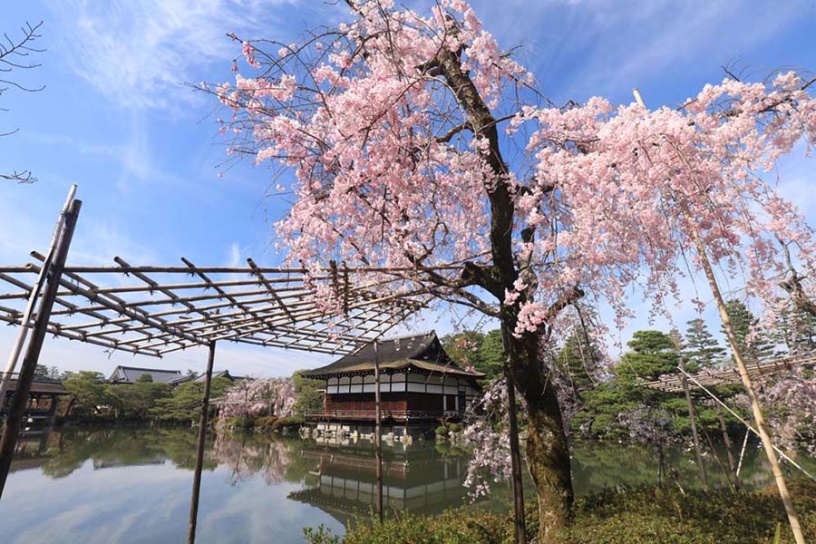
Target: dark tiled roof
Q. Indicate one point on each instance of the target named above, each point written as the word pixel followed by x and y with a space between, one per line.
pixel 131 374
pixel 422 351
pixel 40 386
pixel 220 374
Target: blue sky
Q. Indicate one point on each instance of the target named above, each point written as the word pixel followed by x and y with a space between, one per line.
pixel 118 118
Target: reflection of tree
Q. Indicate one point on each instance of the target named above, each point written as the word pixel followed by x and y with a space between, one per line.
pixel 122 447
pixel 275 459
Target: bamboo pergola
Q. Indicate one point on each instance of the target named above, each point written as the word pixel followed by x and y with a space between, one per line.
pixel 730 376
pixel 155 310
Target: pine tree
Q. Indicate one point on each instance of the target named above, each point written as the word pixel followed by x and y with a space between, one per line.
pixel 578 360
pixel 701 350
pixel 754 343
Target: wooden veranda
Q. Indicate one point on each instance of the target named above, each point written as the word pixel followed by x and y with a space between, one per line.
pixel 155 310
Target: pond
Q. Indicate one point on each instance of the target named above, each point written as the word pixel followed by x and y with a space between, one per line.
pixel 132 485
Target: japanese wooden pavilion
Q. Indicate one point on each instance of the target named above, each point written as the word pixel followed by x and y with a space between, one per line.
pixel 420 386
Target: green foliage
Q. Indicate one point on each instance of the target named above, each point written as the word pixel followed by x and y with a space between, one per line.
pixel 319 535
pixel 264 423
pixel 756 346
pixel 701 350
pixel 492 355
pixel 464 347
pixel 184 404
pixel 89 392
pixel 653 354
pixel 441 431
pixel 578 360
pixel 136 401
pixel 795 330
pixel 309 396
pixel 45 372
pixel 457 526
pixel 484 352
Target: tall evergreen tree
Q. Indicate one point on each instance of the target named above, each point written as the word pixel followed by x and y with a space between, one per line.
pixel 653 354
pixel 755 344
pixel 701 349
pixel 578 360
pixel 795 331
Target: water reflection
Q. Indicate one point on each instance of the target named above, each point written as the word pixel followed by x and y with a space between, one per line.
pixel 133 485
pixel 418 478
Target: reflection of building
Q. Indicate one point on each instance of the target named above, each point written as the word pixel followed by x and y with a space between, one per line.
pixel 31 449
pixel 100 463
pixel 419 386
pixel 416 479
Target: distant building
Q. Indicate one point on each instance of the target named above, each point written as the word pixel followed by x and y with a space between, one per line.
pixel 420 386
pixel 43 398
pixel 225 374
pixel 131 374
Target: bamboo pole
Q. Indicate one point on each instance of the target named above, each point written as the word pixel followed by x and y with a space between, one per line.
pixel 693 423
pixel 202 437
pixel 756 410
pixel 750 429
pixel 32 298
pixel 742 367
pixel 727 442
pixel 378 431
pixel 15 417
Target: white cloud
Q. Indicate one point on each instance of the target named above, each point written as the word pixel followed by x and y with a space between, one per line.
pixel 142 53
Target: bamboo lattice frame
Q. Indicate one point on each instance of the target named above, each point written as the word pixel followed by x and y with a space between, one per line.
pixel 156 310
pixel 730 376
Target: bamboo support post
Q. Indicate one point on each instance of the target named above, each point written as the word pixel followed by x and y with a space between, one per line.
pixel 32 298
pixel 202 437
pixel 756 410
pixel 693 423
pixel 727 442
pixel 32 355
pixel 378 432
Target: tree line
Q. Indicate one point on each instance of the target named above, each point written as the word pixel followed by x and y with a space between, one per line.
pixel 93 399
pixel 608 397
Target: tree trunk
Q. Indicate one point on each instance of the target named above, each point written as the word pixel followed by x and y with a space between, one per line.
pixel 547 449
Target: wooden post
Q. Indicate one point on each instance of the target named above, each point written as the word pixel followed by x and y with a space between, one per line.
pixel 378 432
pixel 727 442
pixel 32 297
pixel 202 437
pixel 515 449
pixel 32 355
pixel 693 423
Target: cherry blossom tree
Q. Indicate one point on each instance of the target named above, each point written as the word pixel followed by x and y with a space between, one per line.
pixel 398 126
pixel 258 397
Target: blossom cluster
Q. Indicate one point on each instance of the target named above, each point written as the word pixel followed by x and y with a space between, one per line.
pixel 390 170
pixel 256 397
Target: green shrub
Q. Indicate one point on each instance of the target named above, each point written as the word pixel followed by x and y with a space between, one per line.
pixel 285 422
pixel 636 516
pixel 265 423
pixel 441 431
pixel 454 427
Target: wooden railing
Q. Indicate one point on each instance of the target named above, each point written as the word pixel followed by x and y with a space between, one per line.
pixel 401 415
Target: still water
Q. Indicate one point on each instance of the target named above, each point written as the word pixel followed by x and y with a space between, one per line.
pixel 133 485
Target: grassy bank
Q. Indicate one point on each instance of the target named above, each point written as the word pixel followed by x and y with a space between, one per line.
pixel 636 516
